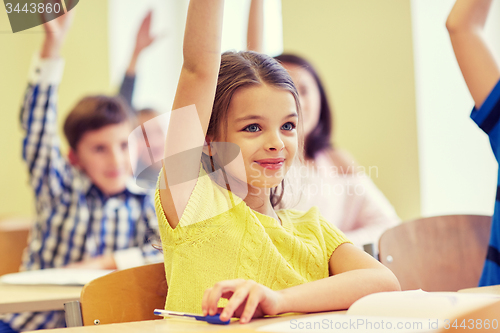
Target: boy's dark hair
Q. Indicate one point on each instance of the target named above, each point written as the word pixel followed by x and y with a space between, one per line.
pixel 93 113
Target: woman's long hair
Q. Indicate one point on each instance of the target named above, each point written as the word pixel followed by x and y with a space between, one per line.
pixel 320 137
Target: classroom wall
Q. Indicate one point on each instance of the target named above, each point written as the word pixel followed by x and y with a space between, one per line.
pixel 86 71
pixel 158 67
pixel 363 51
pixel 365 60
pixel 458 171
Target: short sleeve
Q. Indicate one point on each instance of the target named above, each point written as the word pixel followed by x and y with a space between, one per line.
pixel 332 235
pixel 487 118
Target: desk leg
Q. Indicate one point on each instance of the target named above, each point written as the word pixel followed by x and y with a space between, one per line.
pixel 73 314
pixel 370 249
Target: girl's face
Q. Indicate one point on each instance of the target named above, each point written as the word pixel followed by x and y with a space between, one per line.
pixel 310 98
pixel 262 121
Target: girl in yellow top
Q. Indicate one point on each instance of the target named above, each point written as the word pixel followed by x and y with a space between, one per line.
pixel 223 242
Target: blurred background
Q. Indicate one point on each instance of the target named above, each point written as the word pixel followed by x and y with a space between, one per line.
pixel 401 107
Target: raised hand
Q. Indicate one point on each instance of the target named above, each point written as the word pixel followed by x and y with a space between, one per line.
pixel 465 25
pixel 55 34
pixel 142 41
pixel 247 299
pixel 255 29
pixel 144 37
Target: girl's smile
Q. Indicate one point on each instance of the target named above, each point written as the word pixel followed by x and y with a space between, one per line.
pixel 271 163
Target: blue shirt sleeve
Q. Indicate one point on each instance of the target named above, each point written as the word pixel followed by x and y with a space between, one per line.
pixel 487 118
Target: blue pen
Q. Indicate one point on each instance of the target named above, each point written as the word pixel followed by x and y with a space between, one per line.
pixel 209 319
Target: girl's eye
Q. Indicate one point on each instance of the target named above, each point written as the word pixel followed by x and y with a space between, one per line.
pixel 99 149
pixel 252 128
pixel 288 126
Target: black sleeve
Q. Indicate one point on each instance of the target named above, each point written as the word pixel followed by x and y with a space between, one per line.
pixel 127 88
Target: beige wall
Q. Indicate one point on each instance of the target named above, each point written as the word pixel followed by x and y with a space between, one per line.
pixel 362 48
pixel 86 71
pixel 363 51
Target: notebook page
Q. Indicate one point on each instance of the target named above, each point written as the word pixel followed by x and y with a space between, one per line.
pixel 420 304
pixel 54 276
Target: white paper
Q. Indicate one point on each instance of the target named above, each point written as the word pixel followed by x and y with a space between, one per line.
pixel 420 304
pixel 54 276
pixel 403 311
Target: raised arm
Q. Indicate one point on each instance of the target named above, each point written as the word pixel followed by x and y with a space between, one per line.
pixel 255 30
pixel 465 25
pixel 193 102
pixel 142 41
pixel 38 116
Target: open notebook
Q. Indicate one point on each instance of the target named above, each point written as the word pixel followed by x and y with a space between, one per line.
pixel 54 276
pixel 404 311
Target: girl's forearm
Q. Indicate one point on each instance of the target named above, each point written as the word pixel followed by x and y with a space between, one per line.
pixel 337 292
pixel 465 24
pixel 468 15
pixel 202 36
pixel 255 30
pixel 51 47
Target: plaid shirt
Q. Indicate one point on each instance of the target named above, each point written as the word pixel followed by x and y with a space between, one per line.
pixel 75 220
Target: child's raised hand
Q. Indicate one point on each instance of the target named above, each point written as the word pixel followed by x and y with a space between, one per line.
pixel 142 41
pixel 144 37
pixel 247 299
pixel 55 33
pixel 58 27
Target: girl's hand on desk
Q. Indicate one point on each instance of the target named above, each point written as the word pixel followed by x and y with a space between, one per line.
pixel 247 299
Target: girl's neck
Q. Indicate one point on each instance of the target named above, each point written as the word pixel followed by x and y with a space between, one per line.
pixel 258 200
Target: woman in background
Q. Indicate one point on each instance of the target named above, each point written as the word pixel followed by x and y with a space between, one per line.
pixel 329 177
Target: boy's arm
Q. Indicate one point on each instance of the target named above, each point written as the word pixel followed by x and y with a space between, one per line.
pixel 127 88
pixel 142 41
pixel 465 25
pixel 50 174
pixel 38 113
pixel 255 30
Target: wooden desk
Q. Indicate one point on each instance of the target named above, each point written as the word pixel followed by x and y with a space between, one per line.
pixel 20 298
pixel 174 325
pixel 482 290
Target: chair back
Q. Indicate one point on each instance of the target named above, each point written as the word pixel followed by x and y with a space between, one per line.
pixel 13 240
pixel 441 253
pixel 124 296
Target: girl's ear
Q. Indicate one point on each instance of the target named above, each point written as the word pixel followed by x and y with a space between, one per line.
pixel 73 158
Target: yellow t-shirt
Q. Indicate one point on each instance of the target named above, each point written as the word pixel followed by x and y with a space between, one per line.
pixel 220 238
